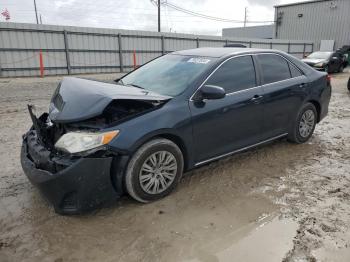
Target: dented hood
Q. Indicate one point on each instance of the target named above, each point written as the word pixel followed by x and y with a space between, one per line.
pixel 78 99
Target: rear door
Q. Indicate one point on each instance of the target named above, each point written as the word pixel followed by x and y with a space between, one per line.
pixel 283 84
pixel 235 121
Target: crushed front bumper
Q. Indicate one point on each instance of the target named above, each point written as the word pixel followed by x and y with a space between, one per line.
pixel 72 188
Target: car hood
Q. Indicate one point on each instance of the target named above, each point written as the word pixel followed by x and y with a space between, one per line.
pixel 313 61
pixel 77 99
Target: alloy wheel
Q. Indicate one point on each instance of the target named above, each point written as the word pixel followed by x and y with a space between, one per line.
pixel 158 172
pixel 306 123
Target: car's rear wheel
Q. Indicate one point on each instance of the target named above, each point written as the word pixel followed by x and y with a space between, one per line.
pixel 154 170
pixel 304 125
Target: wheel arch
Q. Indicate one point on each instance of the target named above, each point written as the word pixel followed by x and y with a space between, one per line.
pixel 179 142
pixel 176 139
pixel 318 108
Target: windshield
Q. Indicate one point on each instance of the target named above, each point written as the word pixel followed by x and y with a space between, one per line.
pixel 320 55
pixel 168 75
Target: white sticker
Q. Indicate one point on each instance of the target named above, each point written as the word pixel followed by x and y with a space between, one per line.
pixel 198 60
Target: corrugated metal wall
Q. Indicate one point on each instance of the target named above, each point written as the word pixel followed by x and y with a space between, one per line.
pixel 321 20
pixel 262 31
pixel 74 50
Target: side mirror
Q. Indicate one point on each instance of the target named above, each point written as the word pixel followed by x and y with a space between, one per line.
pixel 116 80
pixel 210 92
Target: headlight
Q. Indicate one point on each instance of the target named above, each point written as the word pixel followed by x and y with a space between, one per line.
pixel 319 65
pixel 75 142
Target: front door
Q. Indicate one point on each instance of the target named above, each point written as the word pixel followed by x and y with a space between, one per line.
pixel 235 121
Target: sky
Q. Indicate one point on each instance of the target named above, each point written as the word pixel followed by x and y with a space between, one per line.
pixel 142 14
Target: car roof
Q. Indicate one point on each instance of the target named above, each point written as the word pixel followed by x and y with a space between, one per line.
pixel 224 52
pixel 220 51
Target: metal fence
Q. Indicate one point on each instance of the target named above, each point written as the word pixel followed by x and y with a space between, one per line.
pixel 76 50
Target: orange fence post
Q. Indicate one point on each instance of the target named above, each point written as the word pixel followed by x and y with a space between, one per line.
pixel 134 56
pixel 41 63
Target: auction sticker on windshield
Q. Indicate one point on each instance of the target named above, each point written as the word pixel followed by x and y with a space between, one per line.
pixel 198 60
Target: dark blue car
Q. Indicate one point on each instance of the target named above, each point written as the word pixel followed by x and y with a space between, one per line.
pixel 175 113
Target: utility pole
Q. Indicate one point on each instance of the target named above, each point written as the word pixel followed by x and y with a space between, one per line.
pixel 158 15
pixel 245 16
pixel 41 21
pixel 36 13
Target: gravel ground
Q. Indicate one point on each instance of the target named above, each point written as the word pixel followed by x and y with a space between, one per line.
pixel 280 202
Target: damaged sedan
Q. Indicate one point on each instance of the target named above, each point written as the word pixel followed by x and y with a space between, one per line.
pixel 138 136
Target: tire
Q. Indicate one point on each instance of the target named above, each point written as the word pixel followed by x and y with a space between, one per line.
pixel 301 132
pixel 141 167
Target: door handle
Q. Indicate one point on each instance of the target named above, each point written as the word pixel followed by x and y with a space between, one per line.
pixel 256 98
pixel 302 85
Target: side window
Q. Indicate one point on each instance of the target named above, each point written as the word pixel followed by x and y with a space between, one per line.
pixel 234 75
pixel 274 68
pixel 294 70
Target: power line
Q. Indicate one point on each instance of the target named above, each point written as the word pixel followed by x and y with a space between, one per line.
pixel 180 9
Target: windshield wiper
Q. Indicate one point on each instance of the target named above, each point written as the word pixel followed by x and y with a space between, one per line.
pixel 134 85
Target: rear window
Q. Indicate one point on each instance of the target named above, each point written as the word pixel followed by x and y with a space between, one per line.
pixel 294 70
pixel 274 68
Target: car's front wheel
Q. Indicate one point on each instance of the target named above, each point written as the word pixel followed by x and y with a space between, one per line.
pixel 154 170
pixel 304 124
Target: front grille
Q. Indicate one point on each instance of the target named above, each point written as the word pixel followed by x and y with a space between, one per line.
pixel 38 153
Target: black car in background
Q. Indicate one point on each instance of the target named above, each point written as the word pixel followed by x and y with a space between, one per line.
pixel 177 112
pixel 235 45
pixel 330 62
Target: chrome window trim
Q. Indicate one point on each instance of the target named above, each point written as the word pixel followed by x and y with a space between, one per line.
pixel 240 150
pixel 281 81
pixel 242 91
pixel 259 86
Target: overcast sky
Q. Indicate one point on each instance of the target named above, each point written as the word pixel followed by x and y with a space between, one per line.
pixel 141 14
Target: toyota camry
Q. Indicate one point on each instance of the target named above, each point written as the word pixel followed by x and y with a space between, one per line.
pixel 100 141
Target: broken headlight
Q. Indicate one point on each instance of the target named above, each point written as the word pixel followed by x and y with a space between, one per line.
pixel 75 142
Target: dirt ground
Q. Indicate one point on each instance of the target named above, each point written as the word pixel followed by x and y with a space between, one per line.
pixel 280 202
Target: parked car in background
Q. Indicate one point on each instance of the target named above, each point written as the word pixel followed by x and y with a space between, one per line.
pixel 175 113
pixel 235 45
pixel 328 61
